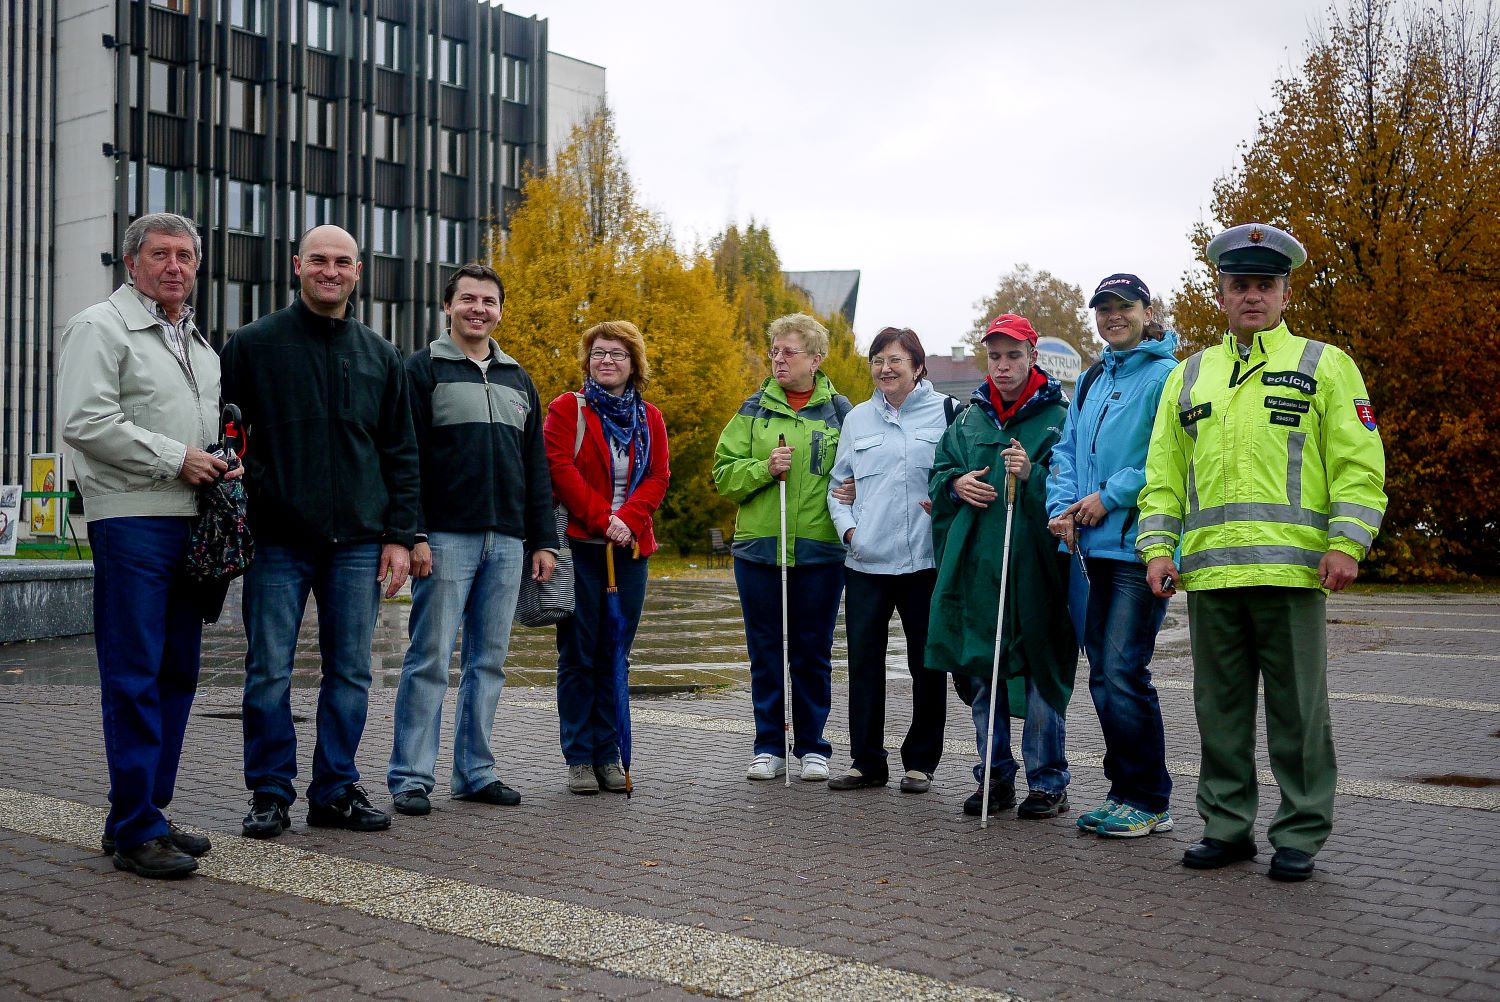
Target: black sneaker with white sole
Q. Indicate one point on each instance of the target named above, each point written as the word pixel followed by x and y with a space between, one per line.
pixel 269 816
pixel 350 810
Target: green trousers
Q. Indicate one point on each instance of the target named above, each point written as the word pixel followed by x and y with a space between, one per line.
pixel 1279 636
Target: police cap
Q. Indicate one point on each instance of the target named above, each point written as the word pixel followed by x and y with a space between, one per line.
pixel 1256 249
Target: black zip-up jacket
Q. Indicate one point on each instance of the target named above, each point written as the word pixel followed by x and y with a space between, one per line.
pixel 484 463
pixel 332 455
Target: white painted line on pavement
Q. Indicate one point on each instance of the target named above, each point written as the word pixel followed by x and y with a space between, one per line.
pixel 718 964
pixel 1411 793
pixel 1420 629
pixel 1455 656
pixel 1370 697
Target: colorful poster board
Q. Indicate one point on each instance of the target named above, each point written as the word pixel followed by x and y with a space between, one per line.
pixel 45 467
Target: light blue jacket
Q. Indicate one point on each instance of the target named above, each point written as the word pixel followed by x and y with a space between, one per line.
pixel 1103 447
pixel 889 454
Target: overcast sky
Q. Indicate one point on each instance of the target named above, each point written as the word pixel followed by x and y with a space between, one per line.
pixel 933 146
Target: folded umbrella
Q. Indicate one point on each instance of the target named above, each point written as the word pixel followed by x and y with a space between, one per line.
pixel 614 639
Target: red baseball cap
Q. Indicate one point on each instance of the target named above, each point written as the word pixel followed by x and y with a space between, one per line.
pixel 1011 325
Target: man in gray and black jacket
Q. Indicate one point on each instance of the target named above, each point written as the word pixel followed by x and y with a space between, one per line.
pixel 486 506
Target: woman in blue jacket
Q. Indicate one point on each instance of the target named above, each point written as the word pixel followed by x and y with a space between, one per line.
pixel 887 447
pixel 1098 470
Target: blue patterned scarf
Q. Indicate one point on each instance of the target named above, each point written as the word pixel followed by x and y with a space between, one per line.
pixel 623 418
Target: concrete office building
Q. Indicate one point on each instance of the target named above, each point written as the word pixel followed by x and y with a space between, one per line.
pixel 409 122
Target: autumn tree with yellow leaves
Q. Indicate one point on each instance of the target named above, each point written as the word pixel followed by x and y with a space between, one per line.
pixel 750 277
pixel 581 250
pixel 1382 156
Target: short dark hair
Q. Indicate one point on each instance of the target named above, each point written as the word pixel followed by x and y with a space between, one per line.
pixel 473 269
pixel 906 338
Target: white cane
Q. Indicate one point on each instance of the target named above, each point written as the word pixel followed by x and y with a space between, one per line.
pixel 989 747
pixel 786 647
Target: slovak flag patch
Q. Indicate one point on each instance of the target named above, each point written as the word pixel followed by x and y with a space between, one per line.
pixel 1366 413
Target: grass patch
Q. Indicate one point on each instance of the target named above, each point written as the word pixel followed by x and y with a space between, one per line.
pixel 690 568
pixel 1483 586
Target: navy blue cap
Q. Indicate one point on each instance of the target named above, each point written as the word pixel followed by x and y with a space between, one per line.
pixel 1123 285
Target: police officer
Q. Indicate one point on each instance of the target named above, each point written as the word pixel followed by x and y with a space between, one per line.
pixel 1266 467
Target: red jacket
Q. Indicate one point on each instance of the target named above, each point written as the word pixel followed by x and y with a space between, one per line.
pixel 582 484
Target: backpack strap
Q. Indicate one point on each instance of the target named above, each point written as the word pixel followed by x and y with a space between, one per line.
pixel 841 407
pixel 1095 371
pixel 578 435
pixel 952 408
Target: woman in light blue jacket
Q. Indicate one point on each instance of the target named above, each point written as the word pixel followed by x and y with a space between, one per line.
pixel 886 448
pixel 1098 470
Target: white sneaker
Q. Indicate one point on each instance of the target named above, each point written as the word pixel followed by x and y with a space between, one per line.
pixel 766 766
pixel 814 768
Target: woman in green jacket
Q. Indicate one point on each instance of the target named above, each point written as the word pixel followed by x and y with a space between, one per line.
pixel 800 403
pixel 1016 417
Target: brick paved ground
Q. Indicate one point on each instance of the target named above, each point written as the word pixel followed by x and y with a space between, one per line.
pixel 706 884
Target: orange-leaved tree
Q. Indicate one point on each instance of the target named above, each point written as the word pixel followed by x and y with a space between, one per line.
pixel 750 278
pixel 1382 155
pixel 1054 307
pixel 580 250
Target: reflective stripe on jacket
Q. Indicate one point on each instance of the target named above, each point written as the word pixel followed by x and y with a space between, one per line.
pixel 1260 465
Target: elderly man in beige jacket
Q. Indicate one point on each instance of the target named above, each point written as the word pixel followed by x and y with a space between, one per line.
pixel 138 390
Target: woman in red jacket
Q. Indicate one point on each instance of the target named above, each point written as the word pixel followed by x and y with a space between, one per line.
pixel 611 482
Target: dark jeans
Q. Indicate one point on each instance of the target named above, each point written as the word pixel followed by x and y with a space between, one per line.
pixel 342 579
pixel 869 601
pixel 1119 638
pixel 147 634
pixel 813 592
pixel 586 691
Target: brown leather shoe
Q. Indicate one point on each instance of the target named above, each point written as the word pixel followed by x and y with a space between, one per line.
pixel 158 859
pixel 185 841
pixel 854 779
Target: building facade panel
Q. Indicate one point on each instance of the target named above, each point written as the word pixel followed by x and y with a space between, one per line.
pixel 407 121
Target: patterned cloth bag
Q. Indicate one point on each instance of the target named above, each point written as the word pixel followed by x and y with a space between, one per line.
pixel 542 603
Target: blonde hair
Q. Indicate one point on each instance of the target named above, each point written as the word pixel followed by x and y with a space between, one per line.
pixel 627 334
pixel 813 335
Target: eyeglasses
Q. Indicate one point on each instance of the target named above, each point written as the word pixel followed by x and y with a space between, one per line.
pixel 599 355
pixel 789 353
pixel 894 361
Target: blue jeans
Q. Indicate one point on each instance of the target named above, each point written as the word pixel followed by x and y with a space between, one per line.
pixel 342 579
pixel 586 690
pixel 475 579
pixel 1120 637
pixel 813 593
pixel 147 635
pixel 1042 737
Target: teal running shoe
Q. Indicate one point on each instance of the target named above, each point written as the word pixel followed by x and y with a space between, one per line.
pixel 1089 820
pixel 1132 822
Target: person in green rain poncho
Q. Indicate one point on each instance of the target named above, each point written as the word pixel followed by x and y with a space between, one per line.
pixel 1015 418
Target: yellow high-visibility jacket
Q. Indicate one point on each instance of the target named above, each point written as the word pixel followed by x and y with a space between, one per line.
pixel 1258 466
